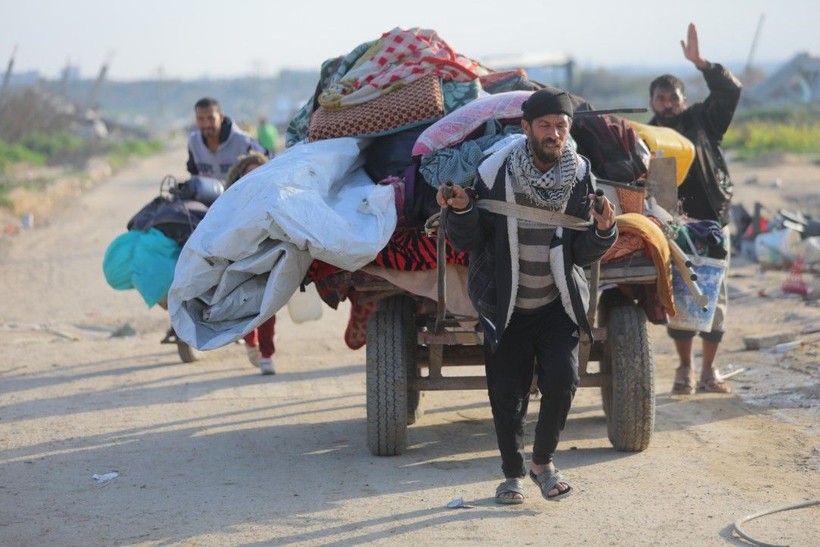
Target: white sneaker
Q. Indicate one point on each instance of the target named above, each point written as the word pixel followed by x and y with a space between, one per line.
pixel 253 354
pixel 266 365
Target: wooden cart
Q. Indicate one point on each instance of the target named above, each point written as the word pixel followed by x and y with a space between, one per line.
pixel 411 340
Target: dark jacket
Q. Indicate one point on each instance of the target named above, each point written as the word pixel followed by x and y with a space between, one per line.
pixel 706 193
pixel 493 276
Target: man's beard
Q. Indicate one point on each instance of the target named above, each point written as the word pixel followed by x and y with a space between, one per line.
pixel 669 119
pixel 546 156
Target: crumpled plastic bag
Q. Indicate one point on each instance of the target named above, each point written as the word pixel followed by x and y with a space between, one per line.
pixel 141 260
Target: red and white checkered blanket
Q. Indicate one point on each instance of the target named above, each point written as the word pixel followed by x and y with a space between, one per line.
pixel 398 58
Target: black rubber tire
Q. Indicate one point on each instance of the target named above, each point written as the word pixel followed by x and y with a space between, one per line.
pixel 629 394
pixel 390 351
pixel 187 353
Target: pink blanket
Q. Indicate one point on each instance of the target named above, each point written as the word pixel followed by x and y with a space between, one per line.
pixel 455 127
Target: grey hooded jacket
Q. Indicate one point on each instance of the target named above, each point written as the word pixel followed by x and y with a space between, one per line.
pixel 233 142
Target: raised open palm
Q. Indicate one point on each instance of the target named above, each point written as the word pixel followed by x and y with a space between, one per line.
pixel 691 48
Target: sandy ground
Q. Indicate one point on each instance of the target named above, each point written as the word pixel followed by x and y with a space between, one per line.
pixel 212 453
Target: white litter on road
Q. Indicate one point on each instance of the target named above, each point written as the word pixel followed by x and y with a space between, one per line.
pixel 105 477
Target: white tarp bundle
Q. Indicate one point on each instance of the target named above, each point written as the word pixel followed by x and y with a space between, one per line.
pixel 252 250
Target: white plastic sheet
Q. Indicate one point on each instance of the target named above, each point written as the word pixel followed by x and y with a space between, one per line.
pixel 253 248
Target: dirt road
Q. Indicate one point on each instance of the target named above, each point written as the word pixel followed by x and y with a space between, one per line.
pixel 213 453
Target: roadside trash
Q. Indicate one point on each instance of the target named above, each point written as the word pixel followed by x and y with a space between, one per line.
pixel 105 477
pixel 806 226
pixel 766 341
pixel 730 374
pixel 776 241
pixel 795 284
pixel 777 248
pixel 810 329
pixel 738 531
pixel 810 251
pixel 27 220
pixel 785 347
pixel 458 503
pixel 59 332
pixel 123 331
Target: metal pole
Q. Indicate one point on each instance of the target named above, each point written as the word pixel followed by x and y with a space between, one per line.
pixel 7 76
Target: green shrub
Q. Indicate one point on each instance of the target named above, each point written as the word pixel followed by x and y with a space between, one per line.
pixel 16 153
pixel 118 152
pixel 136 147
pixel 789 115
pixel 759 131
pixel 50 144
pixel 756 138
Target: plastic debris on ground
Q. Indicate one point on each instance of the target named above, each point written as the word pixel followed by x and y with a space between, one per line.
pixel 458 503
pixel 795 284
pixel 105 477
pixel 731 371
pixel 778 241
pixel 785 347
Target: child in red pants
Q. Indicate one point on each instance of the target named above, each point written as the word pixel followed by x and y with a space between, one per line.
pixel 260 348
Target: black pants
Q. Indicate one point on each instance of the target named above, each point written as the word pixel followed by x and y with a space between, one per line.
pixel 548 340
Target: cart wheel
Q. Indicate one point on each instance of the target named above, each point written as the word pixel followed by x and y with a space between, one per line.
pixel 629 394
pixel 390 352
pixel 187 353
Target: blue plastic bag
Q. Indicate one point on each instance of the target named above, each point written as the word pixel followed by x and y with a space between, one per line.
pixel 144 261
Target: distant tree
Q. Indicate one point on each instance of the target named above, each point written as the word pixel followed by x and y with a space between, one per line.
pixel 29 111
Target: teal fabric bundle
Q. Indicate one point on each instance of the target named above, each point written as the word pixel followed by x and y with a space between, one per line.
pixel 144 261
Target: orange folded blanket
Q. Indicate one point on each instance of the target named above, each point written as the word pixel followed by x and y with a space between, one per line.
pixel 638 232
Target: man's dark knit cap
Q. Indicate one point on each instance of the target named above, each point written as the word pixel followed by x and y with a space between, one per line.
pixel 546 101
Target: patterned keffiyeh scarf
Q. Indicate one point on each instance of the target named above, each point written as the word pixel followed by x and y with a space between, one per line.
pixel 549 190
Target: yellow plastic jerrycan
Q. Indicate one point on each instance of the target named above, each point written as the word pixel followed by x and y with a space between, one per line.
pixel 664 142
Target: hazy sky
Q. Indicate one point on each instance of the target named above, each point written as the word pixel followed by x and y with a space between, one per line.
pixel 194 38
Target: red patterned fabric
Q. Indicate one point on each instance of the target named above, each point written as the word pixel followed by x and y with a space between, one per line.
pixel 356 331
pixel 319 270
pixel 411 251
